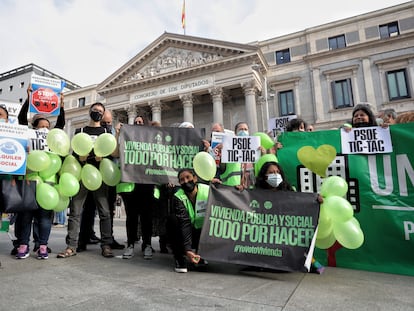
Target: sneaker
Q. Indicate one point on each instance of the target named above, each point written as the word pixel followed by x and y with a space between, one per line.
pixel 148 252
pixel 180 265
pixel 129 252
pixel 107 251
pixel 42 252
pixel 22 252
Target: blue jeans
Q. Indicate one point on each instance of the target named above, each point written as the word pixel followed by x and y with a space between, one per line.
pixel 44 221
pixel 61 217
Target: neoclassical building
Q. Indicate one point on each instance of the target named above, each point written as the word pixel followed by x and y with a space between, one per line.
pixel 319 74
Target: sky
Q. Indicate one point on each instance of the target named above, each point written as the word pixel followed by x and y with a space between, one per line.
pixel 85 41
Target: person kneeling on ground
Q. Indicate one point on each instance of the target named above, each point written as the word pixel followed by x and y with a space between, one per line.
pixel 184 225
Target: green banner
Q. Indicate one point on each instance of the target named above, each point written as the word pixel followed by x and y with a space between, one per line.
pixel 381 191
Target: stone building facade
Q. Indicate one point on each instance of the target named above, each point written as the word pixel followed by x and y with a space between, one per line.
pixel 319 74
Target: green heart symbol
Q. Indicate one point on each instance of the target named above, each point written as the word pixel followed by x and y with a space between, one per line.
pixel 317 160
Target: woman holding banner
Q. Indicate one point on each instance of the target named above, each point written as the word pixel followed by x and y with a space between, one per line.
pixel 272 177
pixel 185 223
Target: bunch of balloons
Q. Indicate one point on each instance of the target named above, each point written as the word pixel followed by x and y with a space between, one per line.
pixel 48 168
pixel 336 217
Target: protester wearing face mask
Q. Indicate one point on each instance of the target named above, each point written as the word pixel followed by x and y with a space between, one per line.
pixel 271 176
pixel 185 223
pixel 87 233
pixel 139 204
pixel 94 129
pixel 41 220
pixel 231 173
pixel 4 114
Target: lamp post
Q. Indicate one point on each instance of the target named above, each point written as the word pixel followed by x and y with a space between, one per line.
pixel 257 67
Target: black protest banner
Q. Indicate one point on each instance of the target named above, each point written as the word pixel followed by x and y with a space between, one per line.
pixel 154 155
pixel 264 228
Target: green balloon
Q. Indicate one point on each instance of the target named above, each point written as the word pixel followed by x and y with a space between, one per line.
pixel 265 140
pixel 334 185
pixel 204 165
pixel 35 177
pixel 62 204
pixel 37 160
pixel 338 208
pixel 72 166
pixel 68 185
pixel 349 233
pixel 58 142
pixel 82 144
pixel 91 177
pixel 47 196
pixel 325 242
pixel 270 157
pixel 325 228
pixel 111 174
pixel 53 168
pixel 104 145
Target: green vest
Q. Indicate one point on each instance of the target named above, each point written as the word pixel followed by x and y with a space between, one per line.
pixel 232 174
pixel 125 187
pixel 198 212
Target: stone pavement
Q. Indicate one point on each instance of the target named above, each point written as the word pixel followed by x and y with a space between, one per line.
pixel 89 281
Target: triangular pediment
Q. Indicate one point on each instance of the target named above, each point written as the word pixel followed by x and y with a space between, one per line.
pixel 173 53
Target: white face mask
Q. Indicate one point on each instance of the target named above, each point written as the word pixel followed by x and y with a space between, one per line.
pixel 274 180
pixel 243 133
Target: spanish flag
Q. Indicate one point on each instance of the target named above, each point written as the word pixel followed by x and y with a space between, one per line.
pixel 183 16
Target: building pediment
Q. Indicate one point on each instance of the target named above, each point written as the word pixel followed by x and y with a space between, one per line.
pixel 173 54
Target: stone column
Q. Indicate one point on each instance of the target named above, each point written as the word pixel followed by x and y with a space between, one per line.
pixel 249 89
pixel 217 96
pixel 187 101
pixel 318 109
pixel 369 83
pixel 261 100
pixel 156 110
pixel 132 113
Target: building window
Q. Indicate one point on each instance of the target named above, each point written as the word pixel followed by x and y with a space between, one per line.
pixel 283 57
pixel 11 88
pixel 1 91
pixel 81 102
pixel 20 100
pixel 21 85
pixel 286 103
pixel 397 84
pixel 389 30
pixel 337 42
pixel 342 93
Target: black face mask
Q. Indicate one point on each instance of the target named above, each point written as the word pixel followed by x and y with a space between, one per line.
pixel 108 127
pixel 188 186
pixel 96 116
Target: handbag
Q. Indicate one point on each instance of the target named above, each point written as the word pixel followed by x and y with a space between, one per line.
pixel 18 195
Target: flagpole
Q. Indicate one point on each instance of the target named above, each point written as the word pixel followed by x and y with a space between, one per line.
pixel 183 17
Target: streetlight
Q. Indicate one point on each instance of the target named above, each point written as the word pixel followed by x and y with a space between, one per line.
pixel 257 67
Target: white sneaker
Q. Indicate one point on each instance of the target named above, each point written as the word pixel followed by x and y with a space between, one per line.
pixel 148 252
pixel 129 252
